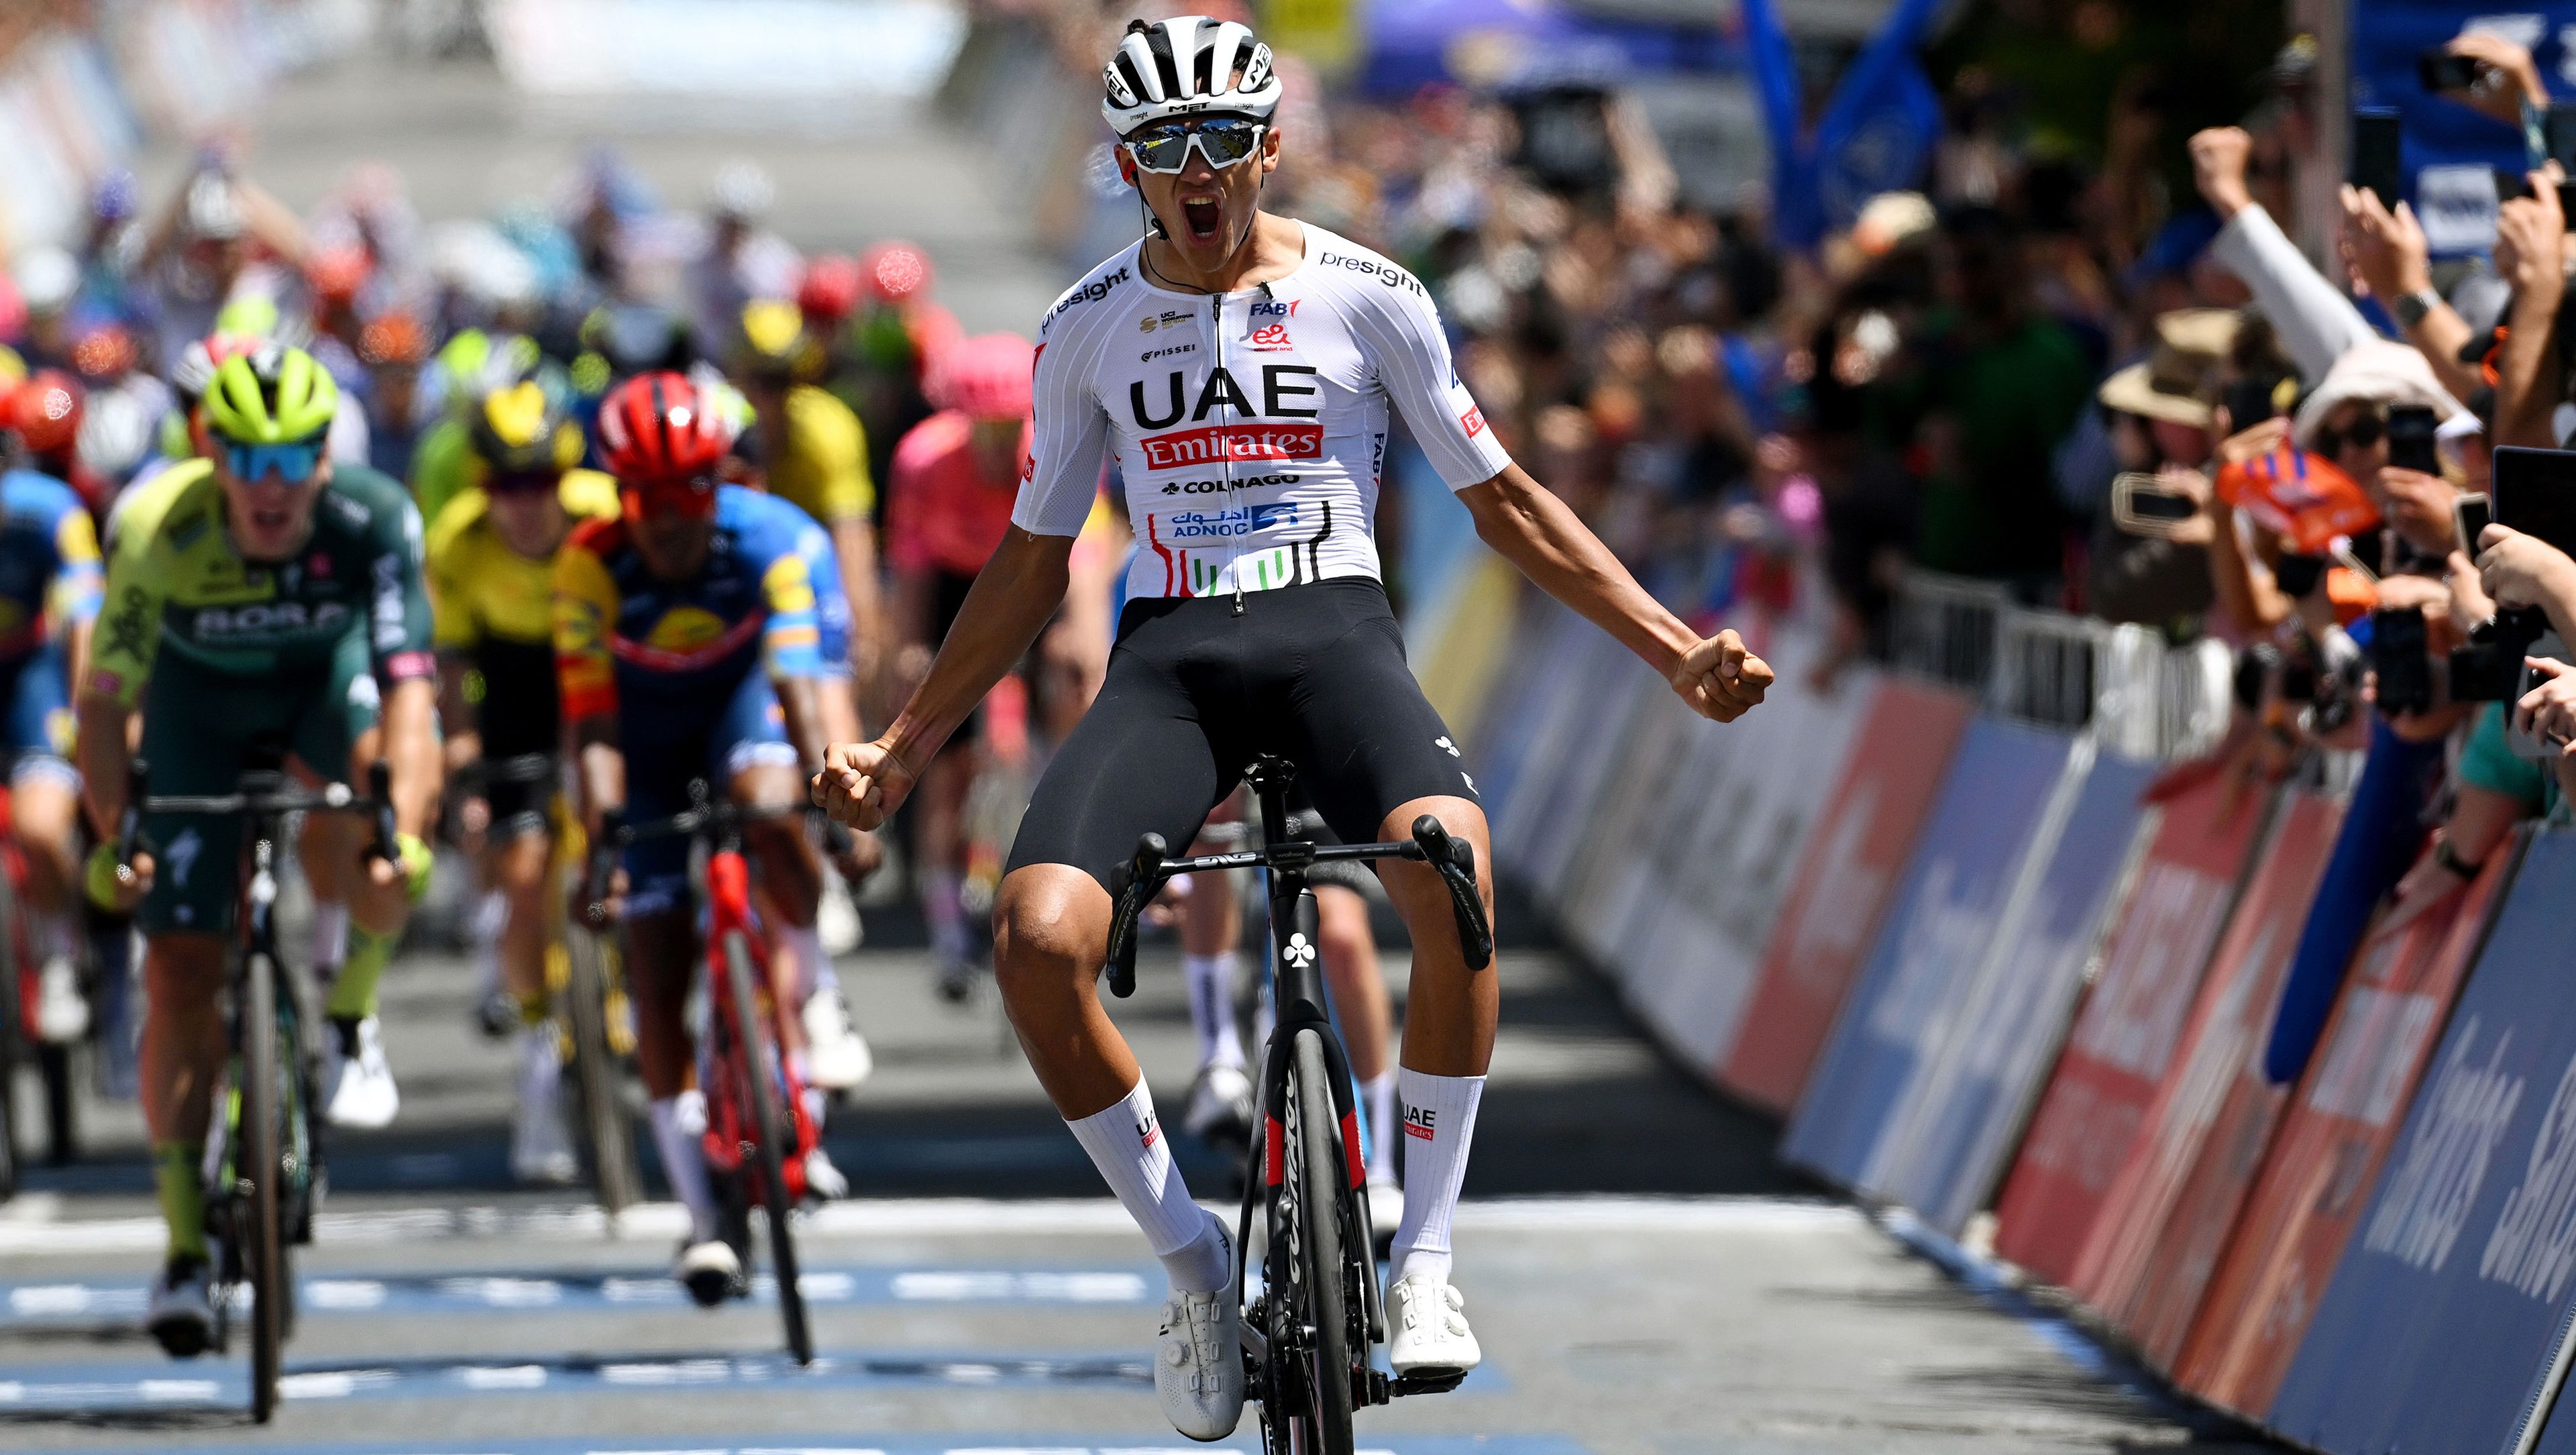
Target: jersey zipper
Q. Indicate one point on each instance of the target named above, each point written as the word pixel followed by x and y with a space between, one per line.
pixel 1224 450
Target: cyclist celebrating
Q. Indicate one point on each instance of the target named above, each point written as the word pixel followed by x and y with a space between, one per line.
pixel 1242 366
pixel 949 504
pixel 491 573
pixel 277 599
pixel 699 635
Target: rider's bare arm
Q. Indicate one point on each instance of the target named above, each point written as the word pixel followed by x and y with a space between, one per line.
pixel 1541 535
pixel 104 756
pixel 411 751
pixel 464 736
pixel 1018 589
pixel 599 777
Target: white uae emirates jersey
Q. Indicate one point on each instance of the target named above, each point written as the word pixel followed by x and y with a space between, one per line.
pixel 1251 428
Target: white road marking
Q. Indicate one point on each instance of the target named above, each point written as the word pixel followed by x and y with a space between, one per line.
pixel 43 1232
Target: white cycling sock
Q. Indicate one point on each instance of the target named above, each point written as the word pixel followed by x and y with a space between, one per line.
pixel 805 947
pixel 1129 1148
pixel 1211 982
pixel 491 912
pixel 1439 1121
pixel 330 935
pixel 1377 1094
pixel 678 1122
pixel 945 910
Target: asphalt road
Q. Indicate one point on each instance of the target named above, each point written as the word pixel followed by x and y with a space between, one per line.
pixel 1643 1276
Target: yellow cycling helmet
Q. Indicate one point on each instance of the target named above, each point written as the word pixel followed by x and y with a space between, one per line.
pixel 772 342
pixel 527 428
pixel 273 395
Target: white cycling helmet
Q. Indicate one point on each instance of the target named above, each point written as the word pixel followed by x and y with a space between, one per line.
pixel 1189 65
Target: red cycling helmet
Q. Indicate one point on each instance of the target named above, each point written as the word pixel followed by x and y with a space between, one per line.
pixel 662 435
pixel 829 291
pixel 104 352
pixel 46 412
pixel 336 274
pixel 988 376
pixel 895 271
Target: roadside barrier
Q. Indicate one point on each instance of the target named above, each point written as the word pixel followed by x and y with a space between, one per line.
pixel 2023 976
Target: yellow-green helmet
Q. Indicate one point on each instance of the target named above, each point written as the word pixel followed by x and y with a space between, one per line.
pixel 273 395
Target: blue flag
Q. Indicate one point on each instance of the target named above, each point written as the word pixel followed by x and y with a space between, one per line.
pixel 1877 132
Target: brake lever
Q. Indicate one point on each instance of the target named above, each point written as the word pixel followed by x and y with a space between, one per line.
pixel 129 822
pixel 380 787
pixel 1455 858
pixel 1133 885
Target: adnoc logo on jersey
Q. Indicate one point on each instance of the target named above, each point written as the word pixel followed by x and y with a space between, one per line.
pixel 1217 525
pixel 1232 442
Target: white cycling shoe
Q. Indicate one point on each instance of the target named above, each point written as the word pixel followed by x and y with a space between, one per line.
pixel 837 1054
pixel 541 1152
pixel 1198 1364
pixel 710 1271
pixel 181 1312
pixel 62 1012
pixel 357 1086
pixel 824 1180
pixel 1220 1104
pixel 1427 1327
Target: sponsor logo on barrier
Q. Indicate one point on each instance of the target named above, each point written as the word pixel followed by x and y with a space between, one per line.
pixel 2429 1195
pixel 2134 1018
pixel 2533 1247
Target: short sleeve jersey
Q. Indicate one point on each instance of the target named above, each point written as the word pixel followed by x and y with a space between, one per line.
pixel 50 575
pixel 824 469
pixel 769 594
pixel 177 584
pixel 481 591
pixel 1250 429
pixel 942 512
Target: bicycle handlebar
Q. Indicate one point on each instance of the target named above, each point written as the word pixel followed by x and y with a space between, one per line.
pixel 1134 884
pixel 705 814
pixel 260 791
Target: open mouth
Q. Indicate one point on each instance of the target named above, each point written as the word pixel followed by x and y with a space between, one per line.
pixel 270 520
pixel 1202 215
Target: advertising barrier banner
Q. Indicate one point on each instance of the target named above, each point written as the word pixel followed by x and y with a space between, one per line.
pixel 1720 853
pixel 1845 880
pixel 2445 1314
pixel 2171 1206
pixel 1950 1143
pixel 2327 1150
pixel 2124 1037
pixel 1567 714
pixel 1988 817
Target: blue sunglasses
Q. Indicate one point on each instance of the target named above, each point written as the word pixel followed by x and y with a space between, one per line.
pixel 294 463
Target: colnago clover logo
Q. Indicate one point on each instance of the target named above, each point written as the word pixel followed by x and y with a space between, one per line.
pixel 1300 951
pixel 1443 744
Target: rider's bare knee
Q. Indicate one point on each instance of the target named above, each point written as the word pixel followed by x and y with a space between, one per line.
pixel 1042 943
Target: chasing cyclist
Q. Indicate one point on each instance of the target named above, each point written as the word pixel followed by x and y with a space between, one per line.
pixel 700 635
pixel 275 599
pixel 948 506
pixel 49 597
pixel 1242 366
pixel 491 586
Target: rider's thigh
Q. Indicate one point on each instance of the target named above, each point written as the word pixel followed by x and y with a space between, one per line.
pixel 183 974
pixel 1416 888
pixel 42 803
pixel 1364 738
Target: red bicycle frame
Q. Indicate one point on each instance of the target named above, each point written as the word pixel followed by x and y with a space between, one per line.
pixel 731 1126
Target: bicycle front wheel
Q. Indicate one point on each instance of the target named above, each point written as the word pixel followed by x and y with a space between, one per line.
pixel 1319 1235
pixel 603 1108
pixel 257 1175
pixel 760 1098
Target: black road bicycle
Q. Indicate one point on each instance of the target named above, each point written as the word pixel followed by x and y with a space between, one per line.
pixel 1308 1333
pixel 263 1162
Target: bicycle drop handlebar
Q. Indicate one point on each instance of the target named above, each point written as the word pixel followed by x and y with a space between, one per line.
pixel 705 815
pixel 1134 884
pixel 263 791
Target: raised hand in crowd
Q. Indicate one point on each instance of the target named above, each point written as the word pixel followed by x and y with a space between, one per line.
pixel 2219 156
pixel 2510 80
pixel 2385 253
pixel 2522 570
pixel 2548 711
pixel 2530 254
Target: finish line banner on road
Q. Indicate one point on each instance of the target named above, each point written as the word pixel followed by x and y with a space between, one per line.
pixel 2171 1210
pixel 2443 1319
pixel 2124 1037
pixel 1991 814
pixel 1855 856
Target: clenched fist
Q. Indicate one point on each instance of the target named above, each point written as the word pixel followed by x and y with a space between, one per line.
pixel 1720 680
pixel 861 784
